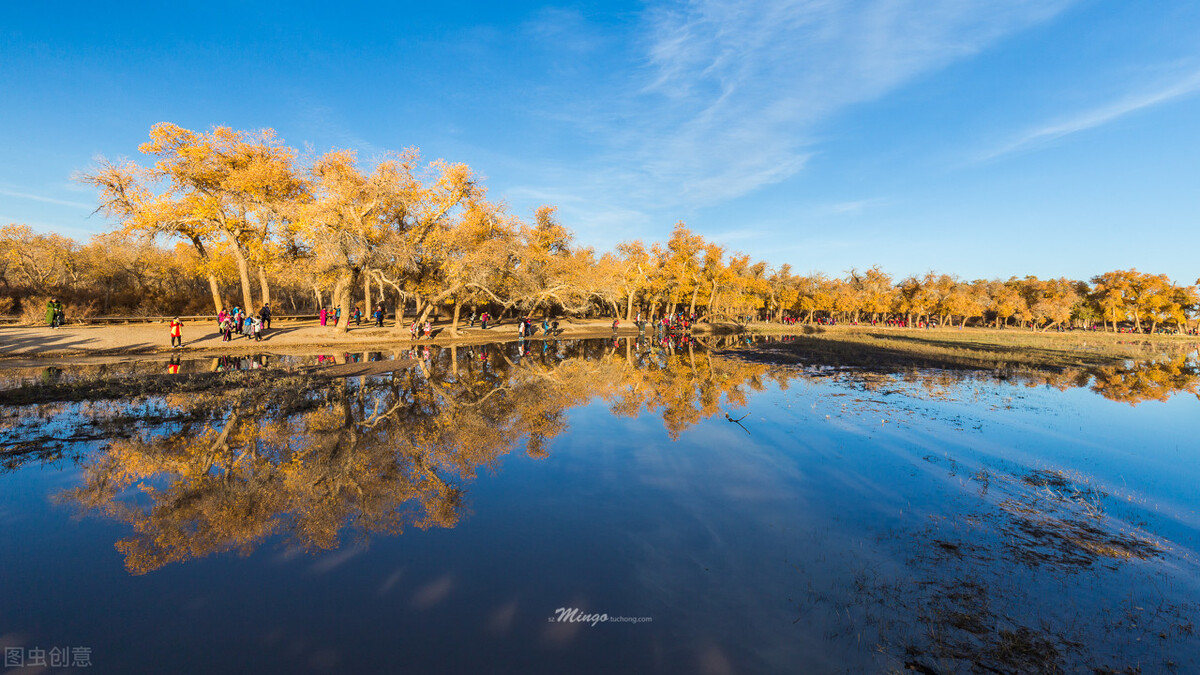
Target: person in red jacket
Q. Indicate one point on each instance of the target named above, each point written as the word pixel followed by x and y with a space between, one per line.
pixel 176 332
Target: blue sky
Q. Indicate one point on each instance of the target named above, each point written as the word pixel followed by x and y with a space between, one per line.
pixel 984 138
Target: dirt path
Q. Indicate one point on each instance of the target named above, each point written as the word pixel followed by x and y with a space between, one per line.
pixel 202 338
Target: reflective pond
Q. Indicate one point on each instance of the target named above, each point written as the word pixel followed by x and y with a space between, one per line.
pixel 597 506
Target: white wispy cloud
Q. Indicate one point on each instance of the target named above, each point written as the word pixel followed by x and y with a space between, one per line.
pixel 605 223
pixel 561 29
pixel 850 208
pixel 1101 115
pixel 45 200
pixel 732 93
pixel 326 121
pixel 79 233
pixel 723 97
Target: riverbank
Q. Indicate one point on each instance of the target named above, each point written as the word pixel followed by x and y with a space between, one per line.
pixel 969 348
pixel 855 346
pixel 202 338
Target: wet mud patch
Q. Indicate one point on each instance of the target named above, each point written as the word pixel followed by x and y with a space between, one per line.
pixel 1020 582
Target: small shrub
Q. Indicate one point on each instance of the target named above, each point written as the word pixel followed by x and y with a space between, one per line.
pixel 81 314
pixel 33 310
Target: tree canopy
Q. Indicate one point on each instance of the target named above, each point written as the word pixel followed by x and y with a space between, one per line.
pixel 222 209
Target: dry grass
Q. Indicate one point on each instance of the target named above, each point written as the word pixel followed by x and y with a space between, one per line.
pixel 972 348
pixel 33 310
pixel 102 387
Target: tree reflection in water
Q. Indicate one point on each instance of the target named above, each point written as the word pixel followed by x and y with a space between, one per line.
pixel 318 462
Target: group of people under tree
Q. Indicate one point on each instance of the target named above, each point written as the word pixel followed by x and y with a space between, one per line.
pixel 334 315
pixel 238 322
pixel 526 327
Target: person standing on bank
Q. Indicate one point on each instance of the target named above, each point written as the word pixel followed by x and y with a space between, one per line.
pixel 176 332
pixel 265 315
pixel 54 313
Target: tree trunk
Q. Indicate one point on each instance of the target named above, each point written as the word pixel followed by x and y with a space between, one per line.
pixel 244 276
pixel 629 307
pixel 320 298
pixel 454 321
pixel 342 296
pixel 367 295
pixel 692 307
pixel 218 301
pixel 424 314
pixel 263 286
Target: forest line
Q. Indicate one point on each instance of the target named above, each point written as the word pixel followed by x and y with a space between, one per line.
pixel 232 218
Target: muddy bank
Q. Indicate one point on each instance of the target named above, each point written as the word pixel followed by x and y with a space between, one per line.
pixel 971 349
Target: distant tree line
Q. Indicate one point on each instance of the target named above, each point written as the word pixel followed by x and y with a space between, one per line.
pixel 247 223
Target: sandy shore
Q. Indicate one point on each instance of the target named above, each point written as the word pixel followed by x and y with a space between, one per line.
pixel 202 338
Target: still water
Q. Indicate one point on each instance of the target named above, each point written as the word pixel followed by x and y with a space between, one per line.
pixel 597 506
